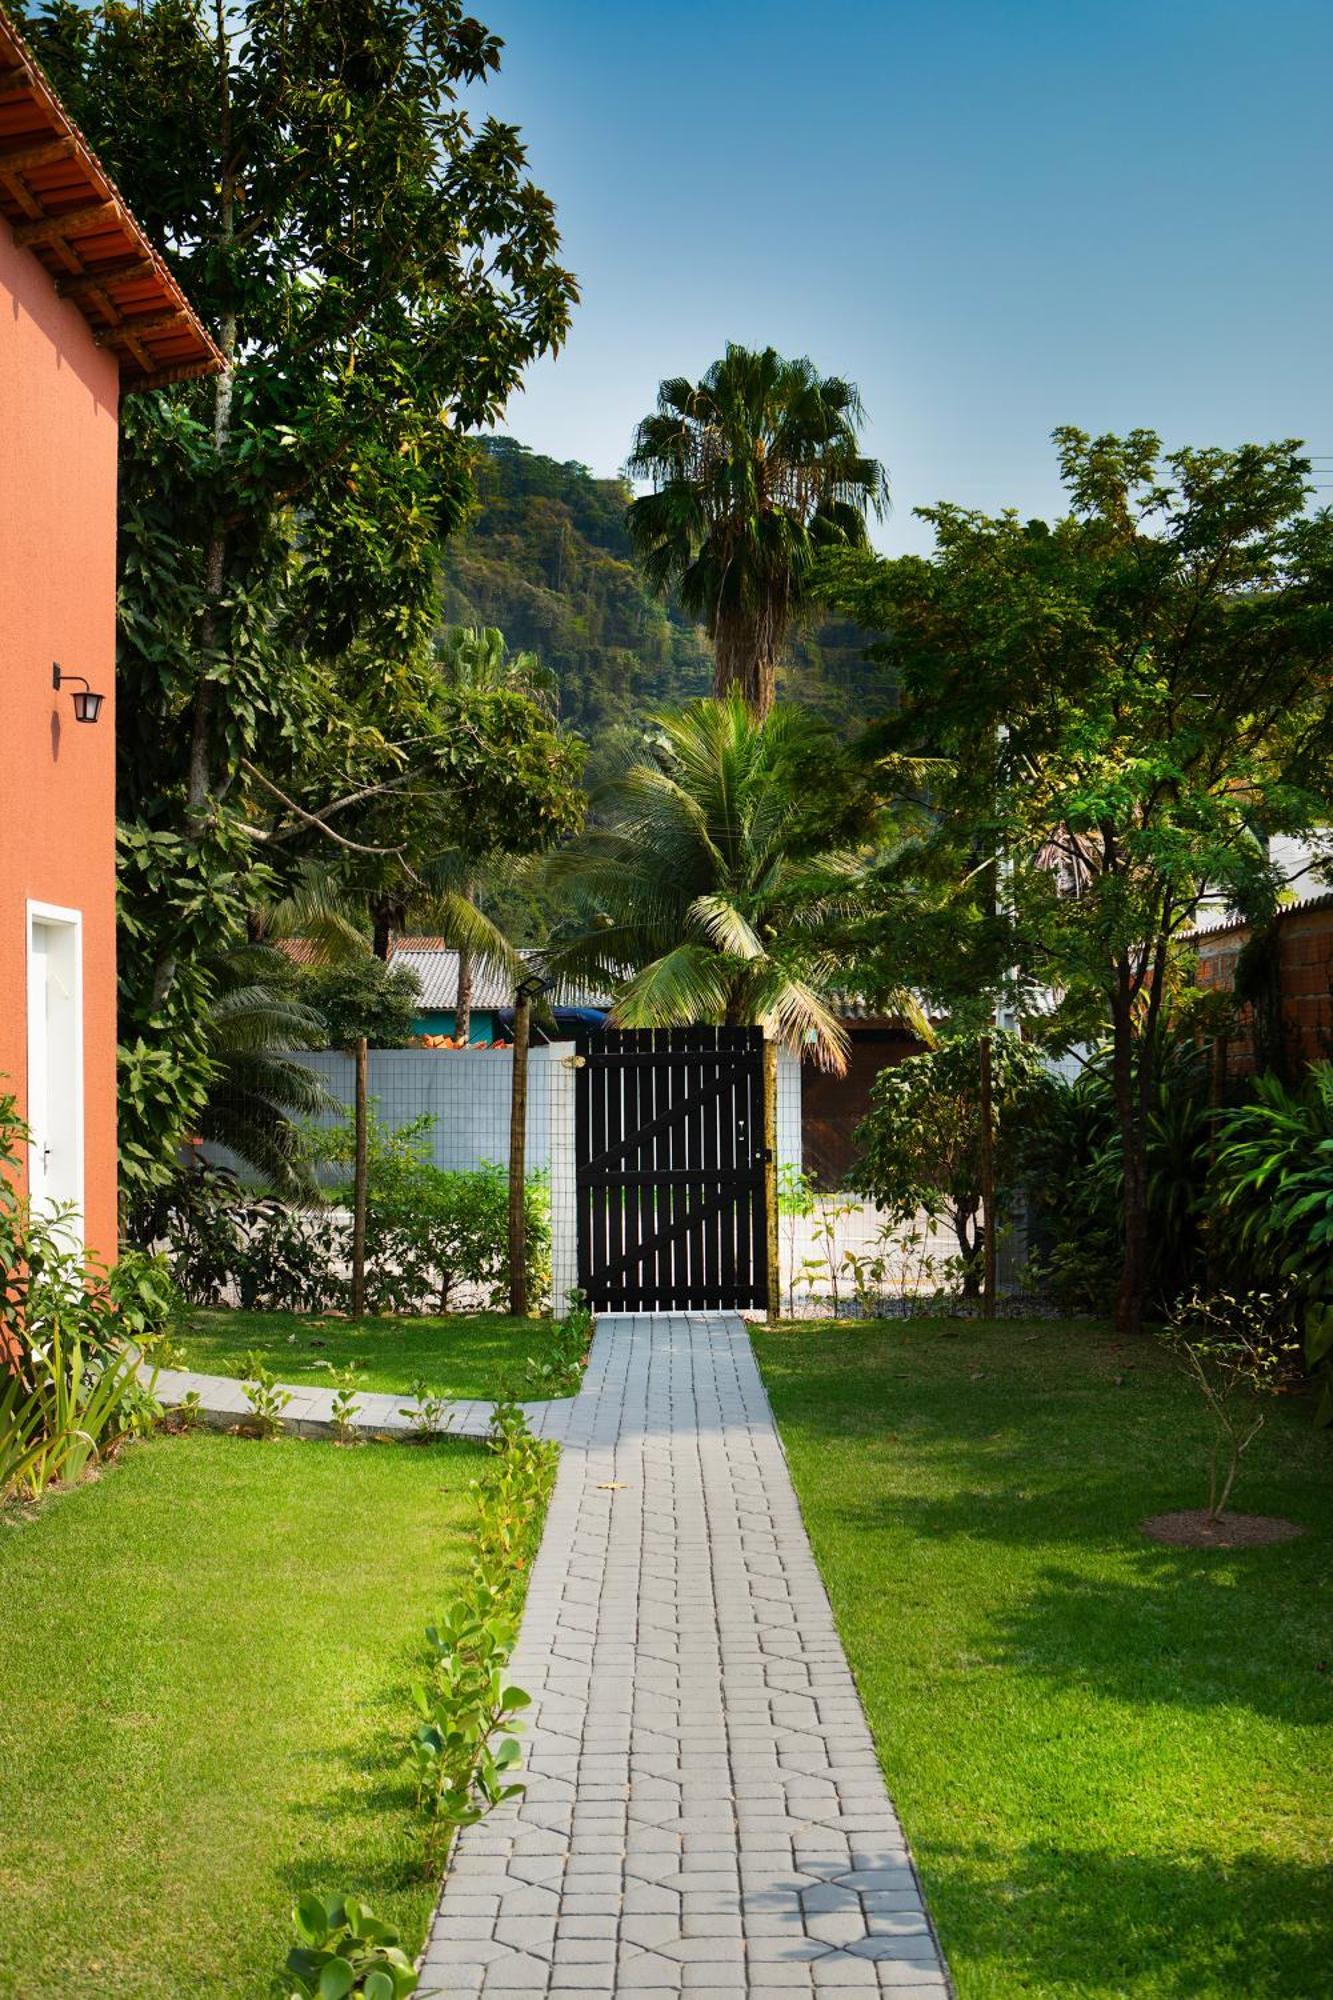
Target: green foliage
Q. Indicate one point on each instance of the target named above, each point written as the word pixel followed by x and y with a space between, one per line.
pixel 267 1401
pixel 1273 1193
pixel 362 996
pixel 226 1244
pixel 1118 708
pixel 714 885
pixel 429 1412
pixel 72 1336
pixel 556 1369
pixel 546 556
pixel 378 271
pixel 431 1233
pixel 344 1949
pixel 1072 1166
pixel 431 1230
pixel 346 1408
pixel 920 1146
pixel 755 469
pixel 1234 1350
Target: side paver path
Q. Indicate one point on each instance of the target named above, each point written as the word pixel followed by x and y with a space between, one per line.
pixel 223 1402
pixel 705 1812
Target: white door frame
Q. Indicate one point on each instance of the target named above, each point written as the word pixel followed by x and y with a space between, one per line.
pixel 51 916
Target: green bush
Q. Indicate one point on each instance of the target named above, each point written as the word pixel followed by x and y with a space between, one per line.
pixel 72 1335
pixel 920 1146
pixel 1272 1203
pixel 1072 1168
pixel 431 1233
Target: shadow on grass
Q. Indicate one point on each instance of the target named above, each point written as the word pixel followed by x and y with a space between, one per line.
pixel 1187 1927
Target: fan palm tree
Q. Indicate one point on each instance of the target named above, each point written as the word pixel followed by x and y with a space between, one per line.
pixel 755 470
pixel 721 875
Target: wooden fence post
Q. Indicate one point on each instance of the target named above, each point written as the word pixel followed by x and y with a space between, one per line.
pixel 518 1139
pixel 359 1179
pixel 773 1248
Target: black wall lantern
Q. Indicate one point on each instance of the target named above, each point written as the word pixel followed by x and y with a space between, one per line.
pixel 87 705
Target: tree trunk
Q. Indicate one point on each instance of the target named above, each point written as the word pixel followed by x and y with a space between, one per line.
pixel 518 1136
pixel 1134 1268
pixel 987 1181
pixel 463 997
pixel 772 1247
pixel 359 1180
pixel 381 920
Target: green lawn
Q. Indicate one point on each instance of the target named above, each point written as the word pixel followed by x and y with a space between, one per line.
pixel 465 1355
pixel 206 1658
pixel 1114 1760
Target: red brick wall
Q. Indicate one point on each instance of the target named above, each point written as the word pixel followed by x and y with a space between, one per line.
pixel 1305 963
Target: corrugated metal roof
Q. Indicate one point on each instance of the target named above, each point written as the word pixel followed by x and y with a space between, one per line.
pixel 436 967
pixel 1227 920
pixel 63 207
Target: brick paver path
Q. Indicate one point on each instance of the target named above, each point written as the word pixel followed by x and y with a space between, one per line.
pixel 705 1812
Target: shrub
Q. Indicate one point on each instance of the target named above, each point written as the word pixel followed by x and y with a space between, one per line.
pixel 431 1234
pixel 1234 1350
pixel 1272 1193
pixel 920 1146
pixel 72 1336
pixel 1072 1167
pixel 343 1949
pixel 433 1231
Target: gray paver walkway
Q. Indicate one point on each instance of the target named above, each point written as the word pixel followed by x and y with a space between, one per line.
pixel 705 1812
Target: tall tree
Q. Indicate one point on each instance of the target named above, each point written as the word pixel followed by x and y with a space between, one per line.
pixel 756 469
pixel 1128 704
pixel 378 272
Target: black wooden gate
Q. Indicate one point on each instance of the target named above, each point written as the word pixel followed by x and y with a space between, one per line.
pixel 670 1137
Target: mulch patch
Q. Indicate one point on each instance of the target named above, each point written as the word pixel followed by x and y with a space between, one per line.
pixel 1193 1530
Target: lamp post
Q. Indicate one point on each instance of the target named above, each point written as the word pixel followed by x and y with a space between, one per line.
pixel 528 990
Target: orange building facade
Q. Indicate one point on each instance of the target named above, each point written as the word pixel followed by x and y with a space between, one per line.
pixel 75 276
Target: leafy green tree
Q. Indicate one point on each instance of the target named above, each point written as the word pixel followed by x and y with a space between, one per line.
pixel 755 470
pixel 360 998
pixel 1126 705
pixel 378 271
pixel 921 1144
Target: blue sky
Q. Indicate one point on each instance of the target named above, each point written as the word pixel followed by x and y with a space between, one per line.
pixel 994 215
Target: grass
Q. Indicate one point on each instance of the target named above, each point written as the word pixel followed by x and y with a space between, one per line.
pixel 466 1355
pixel 1114 1760
pixel 206 1658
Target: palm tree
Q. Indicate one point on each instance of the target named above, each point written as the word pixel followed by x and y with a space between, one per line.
pixel 755 470
pixel 721 874
pixel 259 1088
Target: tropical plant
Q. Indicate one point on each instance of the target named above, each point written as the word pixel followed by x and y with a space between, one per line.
pixel 756 469
pixel 711 886
pixel 1072 1168
pixel 921 1144
pixel 259 1093
pixel 262 1392
pixel 1272 1189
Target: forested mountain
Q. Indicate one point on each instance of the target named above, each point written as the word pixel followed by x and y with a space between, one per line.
pixel 546 557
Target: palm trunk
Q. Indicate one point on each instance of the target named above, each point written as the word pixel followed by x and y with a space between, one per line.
pixel 463 996
pixel 987 1181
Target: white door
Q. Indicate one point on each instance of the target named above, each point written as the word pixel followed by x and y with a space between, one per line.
pixel 55 1063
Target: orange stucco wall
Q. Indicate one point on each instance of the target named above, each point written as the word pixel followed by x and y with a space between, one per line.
pixel 58 426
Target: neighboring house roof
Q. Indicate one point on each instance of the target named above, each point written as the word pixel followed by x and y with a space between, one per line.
pixel 63 206
pixel 436 967
pixel 1217 925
